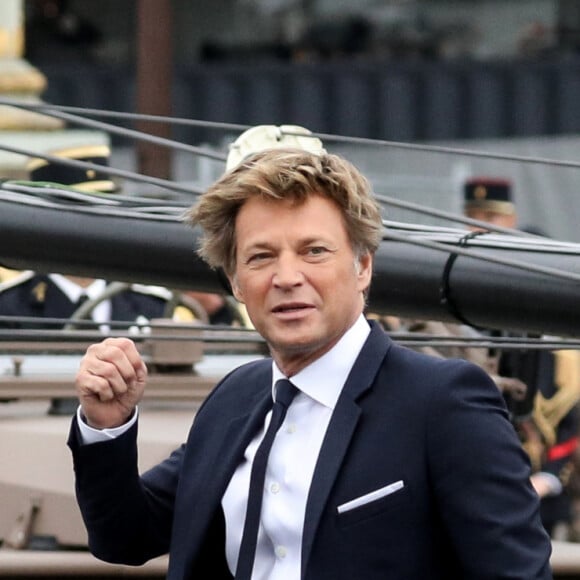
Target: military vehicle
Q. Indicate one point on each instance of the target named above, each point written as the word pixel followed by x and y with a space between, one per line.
pixel 40 527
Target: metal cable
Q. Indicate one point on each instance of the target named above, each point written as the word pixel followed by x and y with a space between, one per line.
pixel 115 129
pixel 389 234
pixel 424 210
pixel 328 137
pixel 164 183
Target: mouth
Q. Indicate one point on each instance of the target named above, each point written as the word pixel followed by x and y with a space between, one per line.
pixel 291 308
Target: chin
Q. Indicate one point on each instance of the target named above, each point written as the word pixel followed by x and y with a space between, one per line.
pixel 298 344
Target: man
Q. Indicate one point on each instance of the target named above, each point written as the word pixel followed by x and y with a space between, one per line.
pixel 43 296
pixel 389 463
pixel 251 141
pixel 490 200
pixel 547 420
pixel 39 297
pixel 53 295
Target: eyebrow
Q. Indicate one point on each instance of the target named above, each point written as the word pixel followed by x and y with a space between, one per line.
pixel 259 245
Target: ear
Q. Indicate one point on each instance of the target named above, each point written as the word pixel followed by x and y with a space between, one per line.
pixel 236 290
pixel 364 270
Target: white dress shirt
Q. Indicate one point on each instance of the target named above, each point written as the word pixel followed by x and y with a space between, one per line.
pixel 291 463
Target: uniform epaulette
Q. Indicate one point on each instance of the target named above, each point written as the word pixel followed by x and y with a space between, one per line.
pixel 157 291
pixel 17 280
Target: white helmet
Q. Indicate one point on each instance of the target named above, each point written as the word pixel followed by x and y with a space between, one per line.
pixel 264 137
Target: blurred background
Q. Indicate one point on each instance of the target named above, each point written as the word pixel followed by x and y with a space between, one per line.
pixel 499 76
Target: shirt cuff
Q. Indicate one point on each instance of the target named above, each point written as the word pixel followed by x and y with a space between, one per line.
pixel 90 435
pixel 554 484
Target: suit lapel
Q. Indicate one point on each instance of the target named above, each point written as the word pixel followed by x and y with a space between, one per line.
pixel 240 432
pixel 339 434
pixel 219 469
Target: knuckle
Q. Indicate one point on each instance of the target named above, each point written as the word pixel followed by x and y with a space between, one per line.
pixel 108 371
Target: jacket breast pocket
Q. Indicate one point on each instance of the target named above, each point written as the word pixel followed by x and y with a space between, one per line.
pixel 373 504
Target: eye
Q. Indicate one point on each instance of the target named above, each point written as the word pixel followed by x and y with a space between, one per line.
pixel 258 257
pixel 316 252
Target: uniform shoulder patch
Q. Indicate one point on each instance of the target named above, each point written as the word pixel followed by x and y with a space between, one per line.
pixel 17 280
pixel 157 291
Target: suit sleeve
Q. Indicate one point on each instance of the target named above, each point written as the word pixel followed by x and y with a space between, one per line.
pixel 128 518
pixel 481 481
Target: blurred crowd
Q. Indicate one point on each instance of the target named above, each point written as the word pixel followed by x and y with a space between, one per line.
pixel 305 32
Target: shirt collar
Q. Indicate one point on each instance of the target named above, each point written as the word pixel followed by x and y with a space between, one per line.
pixel 323 379
pixel 74 291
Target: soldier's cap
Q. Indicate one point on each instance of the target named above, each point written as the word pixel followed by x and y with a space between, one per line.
pixel 262 137
pixel 83 179
pixel 491 194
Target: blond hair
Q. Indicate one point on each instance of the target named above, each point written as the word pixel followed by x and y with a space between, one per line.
pixel 282 174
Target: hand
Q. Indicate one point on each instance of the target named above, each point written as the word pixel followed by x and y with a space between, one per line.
pixel 110 382
pixel 512 386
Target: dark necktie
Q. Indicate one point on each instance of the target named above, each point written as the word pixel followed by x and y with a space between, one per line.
pixel 80 301
pixel 285 392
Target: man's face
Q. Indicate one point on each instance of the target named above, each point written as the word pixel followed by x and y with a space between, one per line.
pixel 298 276
pixel 491 217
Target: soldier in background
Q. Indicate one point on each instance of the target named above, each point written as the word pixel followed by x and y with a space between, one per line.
pixel 489 200
pixel 547 420
pixel 53 295
pixel 541 388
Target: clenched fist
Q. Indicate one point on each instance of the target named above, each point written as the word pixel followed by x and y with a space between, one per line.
pixel 110 382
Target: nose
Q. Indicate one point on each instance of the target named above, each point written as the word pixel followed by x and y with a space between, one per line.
pixel 288 272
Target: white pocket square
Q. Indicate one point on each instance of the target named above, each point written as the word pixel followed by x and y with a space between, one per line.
pixel 370 497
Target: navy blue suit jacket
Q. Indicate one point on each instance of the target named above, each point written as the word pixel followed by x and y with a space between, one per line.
pixel 466 509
